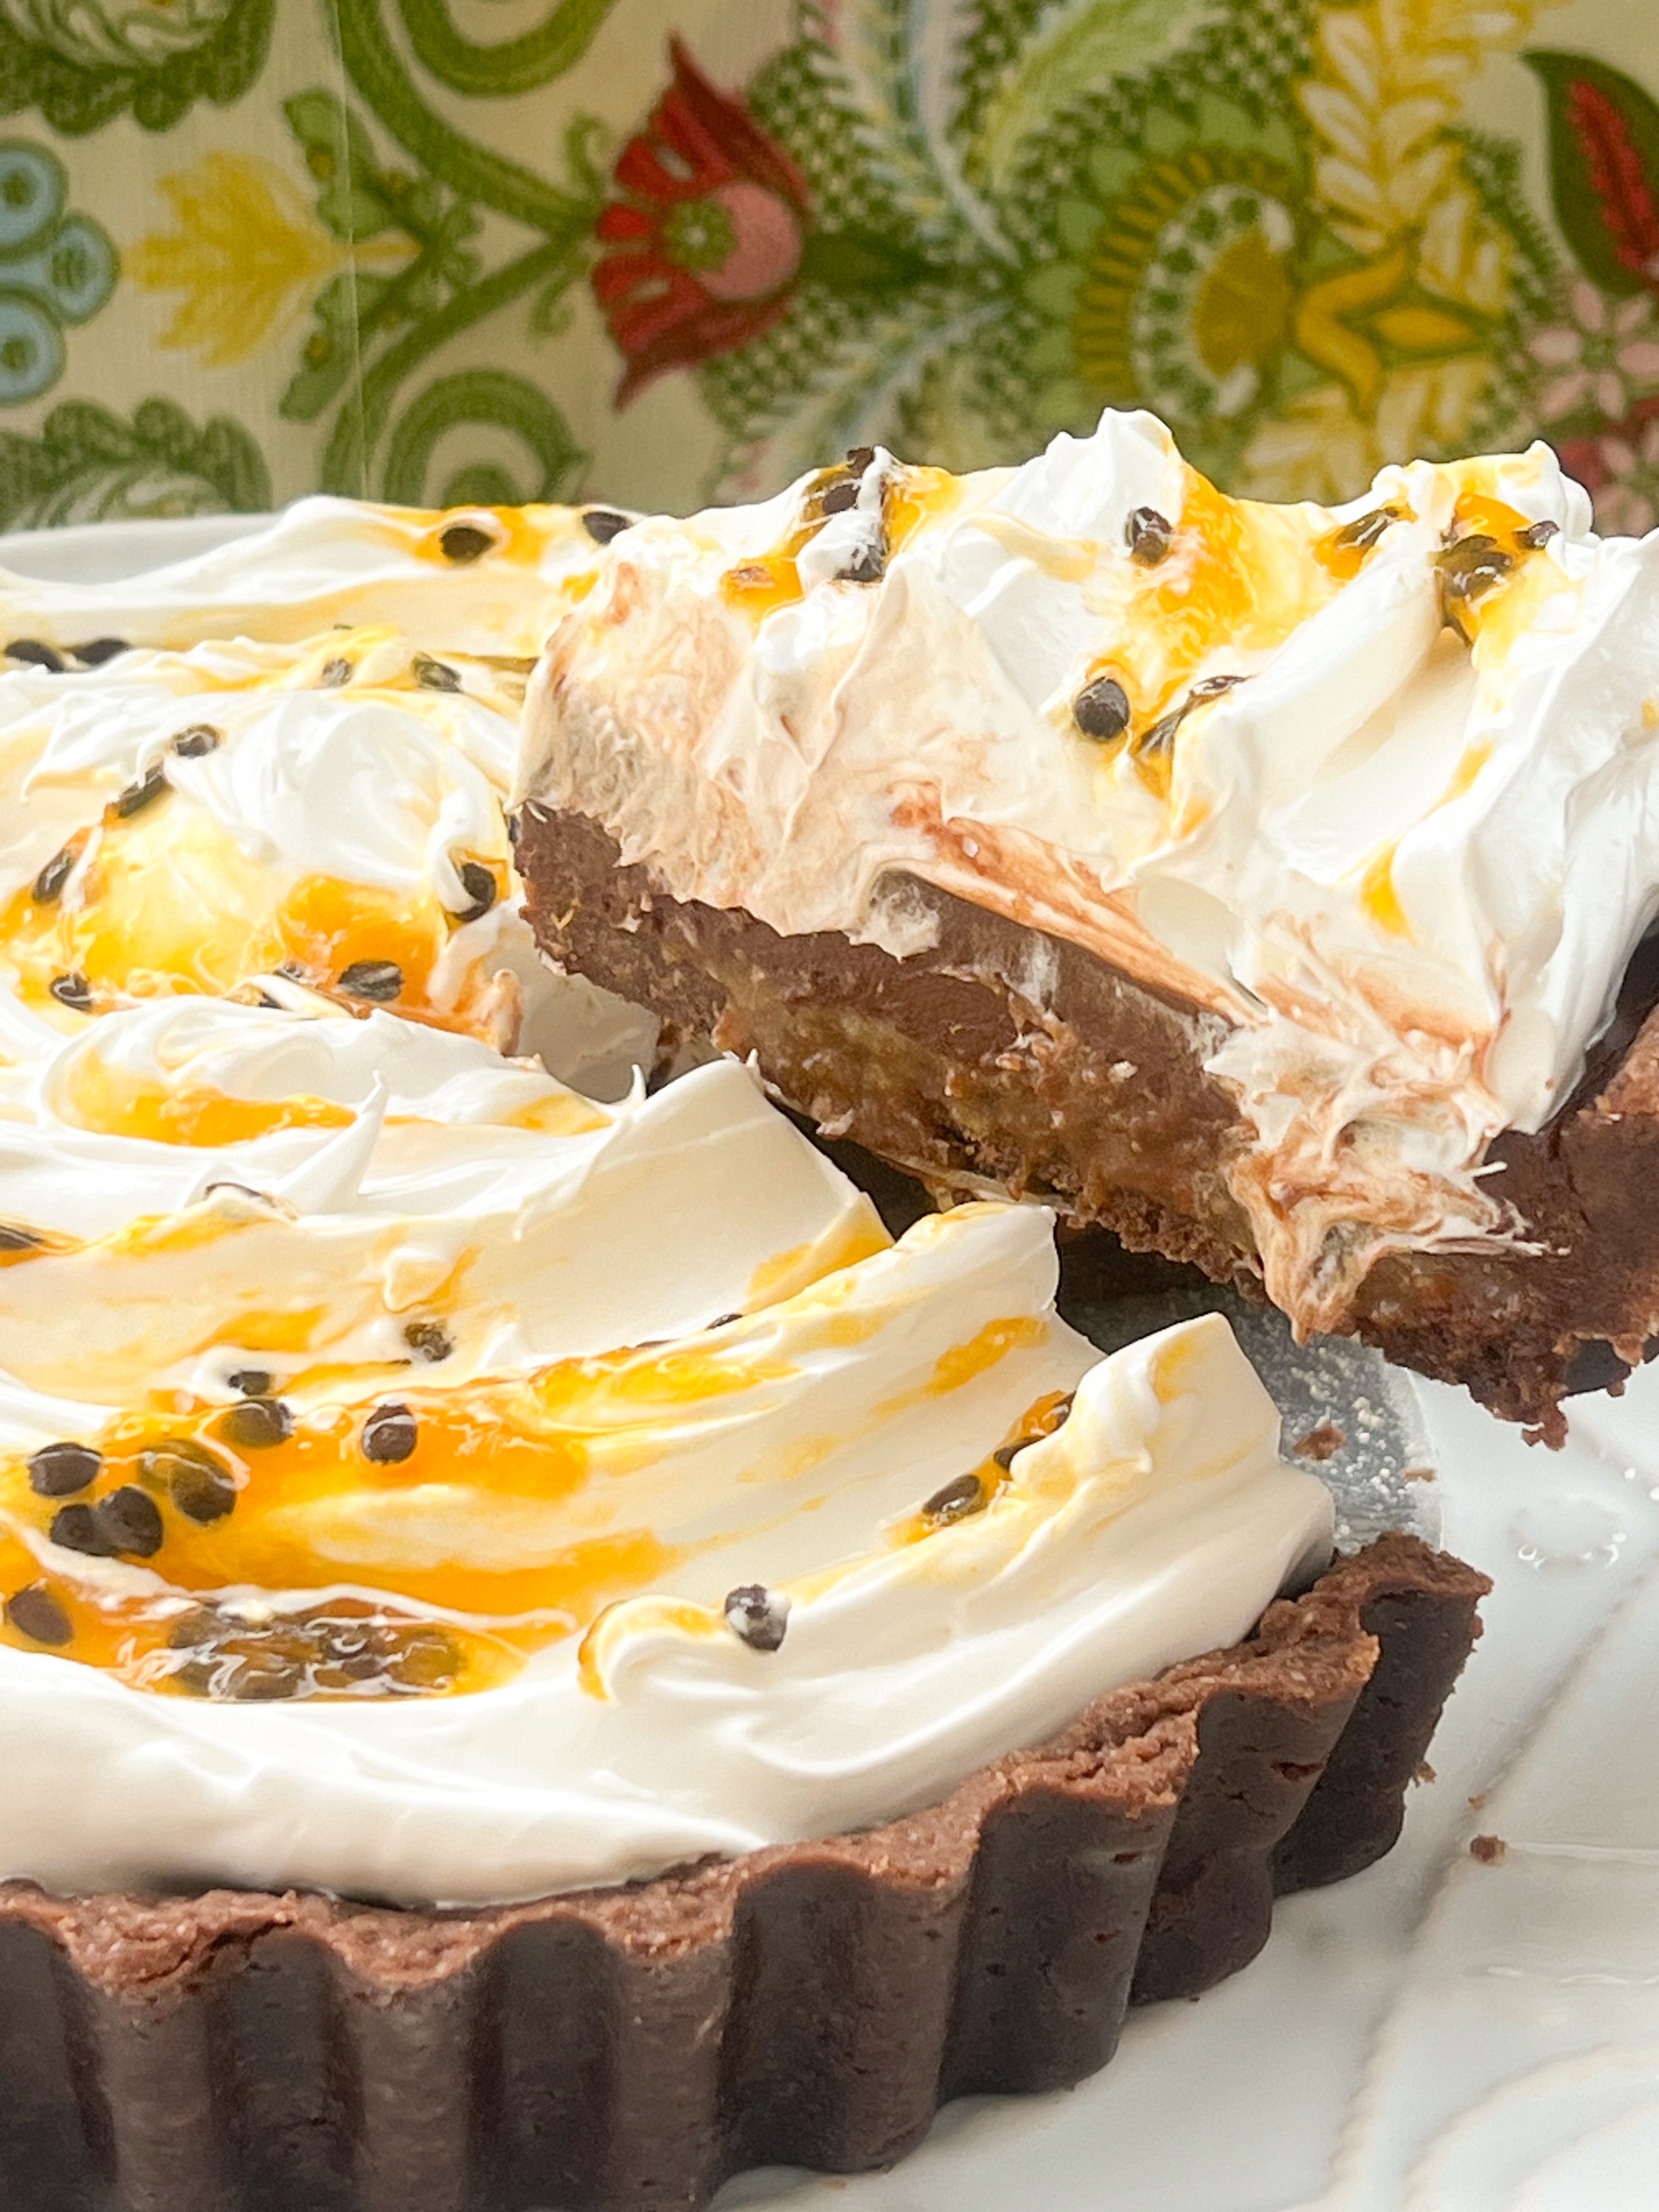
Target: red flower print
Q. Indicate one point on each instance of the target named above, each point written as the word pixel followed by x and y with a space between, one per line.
pixel 1619 467
pixel 1617 177
pixel 705 242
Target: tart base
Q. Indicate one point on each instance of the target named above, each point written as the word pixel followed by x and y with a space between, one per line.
pixel 813 2004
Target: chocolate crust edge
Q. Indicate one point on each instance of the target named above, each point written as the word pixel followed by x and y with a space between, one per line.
pixel 1004 1059
pixel 629 2050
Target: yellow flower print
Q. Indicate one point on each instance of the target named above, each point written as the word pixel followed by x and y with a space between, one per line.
pixel 248 254
pixel 1315 447
pixel 1322 447
pixel 1406 331
pixel 1385 92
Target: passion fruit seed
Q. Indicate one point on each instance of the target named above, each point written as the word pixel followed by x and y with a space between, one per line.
pixel 868 566
pixel 76 1528
pixel 428 1339
pixel 34 654
pixel 1059 1415
pixel 35 1613
pixel 202 1497
pixel 302 1654
pixel 13 1238
pixel 333 674
pixel 424 1659
pixel 1100 709
pixel 72 991
pixel 1161 737
pixel 193 1628
pixel 256 1424
pixel 251 1382
pixel 859 458
pixel 97 650
pixel 49 883
pixel 1148 535
pixel 139 795
pixel 1364 532
pixel 129 1521
pixel 481 889
pixel 352 1646
pixel 602 524
pixel 62 1469
pixel 1537 533
pixel 956 1501
pixel 435 675
pixel 461 541
pixel 757 1616
pixel 390 1435
pixel 196 743
pixel 203 1489
pixel 261 1678
pixel 381 980
pixel 1472 566
pixel 841 496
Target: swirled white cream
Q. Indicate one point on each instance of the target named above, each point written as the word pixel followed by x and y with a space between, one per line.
pixel 1397 870
pixel 678 1356
pixel 319 807
pixel 228 1186
pixel 469 579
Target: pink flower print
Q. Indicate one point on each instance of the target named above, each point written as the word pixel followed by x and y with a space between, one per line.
pixel 1598 358
pixel 1619 469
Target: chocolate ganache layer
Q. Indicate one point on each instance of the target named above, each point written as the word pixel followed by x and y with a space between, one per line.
pixel 1004 1058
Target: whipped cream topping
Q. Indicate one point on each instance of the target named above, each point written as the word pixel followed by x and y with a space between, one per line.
pixel 704 1501
pixel 194 822
pixel 1375 789
pixel 485 580
pixel 416 1480
pixel 247 1186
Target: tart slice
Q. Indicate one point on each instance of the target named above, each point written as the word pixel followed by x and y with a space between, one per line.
pixel 1266 883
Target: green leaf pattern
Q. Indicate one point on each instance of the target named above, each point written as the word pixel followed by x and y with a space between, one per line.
pixel 1015 212
pixel 82 62
pixel 88 464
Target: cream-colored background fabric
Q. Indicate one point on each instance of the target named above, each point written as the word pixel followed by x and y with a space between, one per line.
pixel 653 250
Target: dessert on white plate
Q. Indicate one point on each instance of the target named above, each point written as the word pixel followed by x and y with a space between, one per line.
pixel 1279 867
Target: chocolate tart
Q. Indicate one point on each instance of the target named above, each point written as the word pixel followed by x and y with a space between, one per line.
pixel 1095 1100
pixel 628 2050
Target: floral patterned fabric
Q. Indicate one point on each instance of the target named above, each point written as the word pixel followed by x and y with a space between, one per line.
pixel 662 250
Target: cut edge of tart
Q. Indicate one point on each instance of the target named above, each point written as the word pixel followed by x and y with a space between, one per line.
pixel 1005 1060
